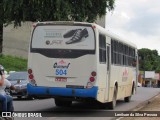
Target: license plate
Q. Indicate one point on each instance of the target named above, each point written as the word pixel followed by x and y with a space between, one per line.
pixel 61 79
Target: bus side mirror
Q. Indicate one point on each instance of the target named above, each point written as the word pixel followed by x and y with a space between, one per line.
pixel 134 63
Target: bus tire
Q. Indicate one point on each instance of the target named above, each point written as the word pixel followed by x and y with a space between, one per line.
pixel 112 104
pixel 0 107
pixel 127 99
pixel 29 97
pixel 62 103
pixel 19 97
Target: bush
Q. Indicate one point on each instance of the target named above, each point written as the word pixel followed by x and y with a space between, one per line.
pixel 11 63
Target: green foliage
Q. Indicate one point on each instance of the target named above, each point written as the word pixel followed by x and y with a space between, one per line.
pixel 19 11
pixel 1 12
pixel 11 63
pixel 149 60
pixel 55 10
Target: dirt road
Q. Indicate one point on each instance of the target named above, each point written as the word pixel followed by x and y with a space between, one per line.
pixel 151 105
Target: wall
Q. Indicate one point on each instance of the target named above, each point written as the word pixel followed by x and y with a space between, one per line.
pixel 101 21
pixel 16 40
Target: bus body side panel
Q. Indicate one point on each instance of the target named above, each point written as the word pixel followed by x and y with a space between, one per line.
pixel 124 76
pixel 101 73
pixel 102 82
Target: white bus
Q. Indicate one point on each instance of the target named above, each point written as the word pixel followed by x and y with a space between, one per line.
pixel 71 61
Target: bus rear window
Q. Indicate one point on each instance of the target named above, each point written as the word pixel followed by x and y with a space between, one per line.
pixel 63 37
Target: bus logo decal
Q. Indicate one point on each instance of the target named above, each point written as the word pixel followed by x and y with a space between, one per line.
pixel 54 42
pixel 125 75
pixel 47 42
pixel 61 66
pixel 62 62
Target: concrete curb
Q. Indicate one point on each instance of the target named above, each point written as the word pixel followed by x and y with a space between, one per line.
pixel 143 104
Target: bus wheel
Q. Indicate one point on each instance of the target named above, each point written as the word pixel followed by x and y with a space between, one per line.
pixel 127 99
pixel 19 97
pixel 112 105
pixel 62 103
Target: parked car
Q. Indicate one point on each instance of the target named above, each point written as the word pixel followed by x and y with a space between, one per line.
pixel 139 84
pixel 19 80
pixel 6 73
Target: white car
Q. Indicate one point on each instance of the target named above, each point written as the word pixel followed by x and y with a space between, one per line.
pixel 6 74
pixel 139 84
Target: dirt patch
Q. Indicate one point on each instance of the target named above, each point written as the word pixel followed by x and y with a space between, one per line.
pixel 151 105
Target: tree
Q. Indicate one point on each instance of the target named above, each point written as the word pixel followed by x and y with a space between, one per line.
pixel 149 60
pixel 1 25
pixel 18 11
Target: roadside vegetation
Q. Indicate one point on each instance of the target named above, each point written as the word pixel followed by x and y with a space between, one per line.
pixel 12 63
pixel 149 60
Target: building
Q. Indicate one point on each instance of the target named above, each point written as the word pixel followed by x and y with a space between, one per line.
pixel 150 79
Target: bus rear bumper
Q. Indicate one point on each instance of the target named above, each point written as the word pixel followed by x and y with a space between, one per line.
pixel 66 92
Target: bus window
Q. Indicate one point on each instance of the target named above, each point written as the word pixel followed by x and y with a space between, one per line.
pixel 102 48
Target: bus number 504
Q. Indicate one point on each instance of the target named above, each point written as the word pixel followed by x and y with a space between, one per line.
pixel 61 72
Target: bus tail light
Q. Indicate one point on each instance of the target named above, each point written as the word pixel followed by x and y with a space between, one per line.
pixel 89 85
pixel 30 71
pixel 93 26
pixel 93 73
pixel 92 79
pixel 31 77
pixel 33 82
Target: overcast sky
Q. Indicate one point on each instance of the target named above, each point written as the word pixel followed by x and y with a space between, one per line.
pixel 137 21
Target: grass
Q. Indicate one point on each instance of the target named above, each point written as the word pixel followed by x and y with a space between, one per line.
pixel 11 63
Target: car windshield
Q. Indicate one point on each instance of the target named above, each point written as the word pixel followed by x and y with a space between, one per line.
pixel 17 76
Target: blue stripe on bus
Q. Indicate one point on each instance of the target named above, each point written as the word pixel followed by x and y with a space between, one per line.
pixel 57 91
